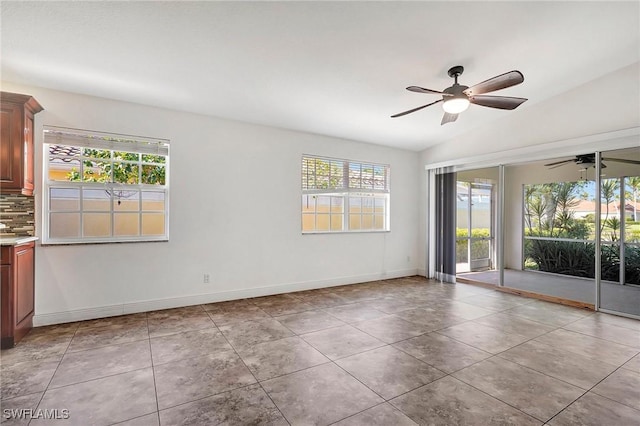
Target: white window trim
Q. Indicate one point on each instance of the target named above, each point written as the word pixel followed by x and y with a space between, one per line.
pixel 345 192
pixel 76 137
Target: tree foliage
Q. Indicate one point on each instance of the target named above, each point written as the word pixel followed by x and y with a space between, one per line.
pixel 549 210
pixel 120 167
pixel 549 213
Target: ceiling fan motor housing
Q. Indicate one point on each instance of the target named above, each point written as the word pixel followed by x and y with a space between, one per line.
pixel 456 71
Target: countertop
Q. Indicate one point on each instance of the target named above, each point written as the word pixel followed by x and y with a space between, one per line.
pixel 16 241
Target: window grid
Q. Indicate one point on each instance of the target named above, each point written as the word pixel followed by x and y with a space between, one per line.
pixel 344 196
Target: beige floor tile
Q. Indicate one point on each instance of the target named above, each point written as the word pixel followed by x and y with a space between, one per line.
pixel 278 357
pixel 442 352
pixel 534 393
pixel 359 311
pixel 548 313
pixel 607 331
pixel 594 410
pixel 194 378
pixel 319 395
pixel 147 420
pixel 92 364
pixel 483 337
pixel 188 345
pixel 309 321
pixel 103 401
pixel 107 335
pixel 13 413
pixel 171 321
pixel 579 370
pixel 248 333
pixel 243 312
pixel 391 328
pixel 431 319
pixel 380 415
pixel 585 345
pixel 27 377
pixel 341 341
pixel 451 402
pixel 515 325
pixel 388 371
pixel 245 406
pixel 622 386
pixel 633 364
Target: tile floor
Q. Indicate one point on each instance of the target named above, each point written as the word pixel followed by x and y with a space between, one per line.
pixel 396 352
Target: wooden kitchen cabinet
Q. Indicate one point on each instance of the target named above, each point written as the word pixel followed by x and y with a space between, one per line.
pixel 17 292
pixel 16 145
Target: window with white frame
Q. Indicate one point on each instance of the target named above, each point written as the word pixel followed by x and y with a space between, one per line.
pixel 344 196
pixel 104 187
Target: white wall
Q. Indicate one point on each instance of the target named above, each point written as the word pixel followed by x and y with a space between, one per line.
pixel 234 214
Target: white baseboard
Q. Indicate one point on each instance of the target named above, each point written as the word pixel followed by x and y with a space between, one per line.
pixel 198 299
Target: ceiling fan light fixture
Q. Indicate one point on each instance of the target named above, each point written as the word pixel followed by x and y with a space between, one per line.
pixel 456 104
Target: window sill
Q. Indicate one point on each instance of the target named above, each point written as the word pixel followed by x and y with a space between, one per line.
pixel 345 232
pixel 75 243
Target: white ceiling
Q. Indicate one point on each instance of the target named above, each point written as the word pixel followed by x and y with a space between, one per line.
pixel 333 68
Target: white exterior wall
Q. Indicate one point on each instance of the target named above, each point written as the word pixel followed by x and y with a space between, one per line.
pixel 235 197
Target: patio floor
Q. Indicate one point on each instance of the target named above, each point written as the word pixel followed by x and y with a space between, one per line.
pixel 614 297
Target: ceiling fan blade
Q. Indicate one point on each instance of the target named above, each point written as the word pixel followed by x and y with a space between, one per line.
pixel 500 102
pixel 622 160
pixel 558 163
pixel 400 114
pixel 448 118
pixel 423 90
pixel 502 81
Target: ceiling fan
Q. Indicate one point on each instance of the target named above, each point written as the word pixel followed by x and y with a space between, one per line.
pixel 456 98
pixel 589 160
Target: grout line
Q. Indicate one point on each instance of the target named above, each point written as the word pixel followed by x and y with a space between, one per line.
pixel 497 399
pixel 46 389
pixel 153 371
pixel 255 378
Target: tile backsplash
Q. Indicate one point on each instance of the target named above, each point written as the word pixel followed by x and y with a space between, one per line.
pixel 17 212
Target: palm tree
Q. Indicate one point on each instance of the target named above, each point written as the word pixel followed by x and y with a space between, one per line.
pixel 608 193
pixel 634 184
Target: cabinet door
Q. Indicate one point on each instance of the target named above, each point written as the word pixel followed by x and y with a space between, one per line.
pixel 6 296
pixel 24 282
pixel 27 186
pixel 10 146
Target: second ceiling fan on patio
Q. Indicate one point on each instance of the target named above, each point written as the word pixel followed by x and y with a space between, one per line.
pixel 589 160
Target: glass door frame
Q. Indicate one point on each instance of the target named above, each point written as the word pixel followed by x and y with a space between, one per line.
pixel 470 239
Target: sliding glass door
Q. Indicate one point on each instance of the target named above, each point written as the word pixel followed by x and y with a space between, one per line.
pixel 620 232
pixel 474 227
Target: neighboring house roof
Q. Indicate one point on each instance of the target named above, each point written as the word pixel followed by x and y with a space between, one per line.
pixel 70 151
pixel 590 206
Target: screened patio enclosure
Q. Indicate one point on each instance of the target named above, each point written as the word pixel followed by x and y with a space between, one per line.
pixel 567 232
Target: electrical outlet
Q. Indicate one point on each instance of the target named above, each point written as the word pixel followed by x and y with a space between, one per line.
pixel 408 258
pixel 206 279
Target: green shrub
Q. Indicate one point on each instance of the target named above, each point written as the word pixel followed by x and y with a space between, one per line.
pixel 478 248
pixel 578 259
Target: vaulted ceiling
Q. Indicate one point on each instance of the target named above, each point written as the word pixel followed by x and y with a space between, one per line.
pixel 333 68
